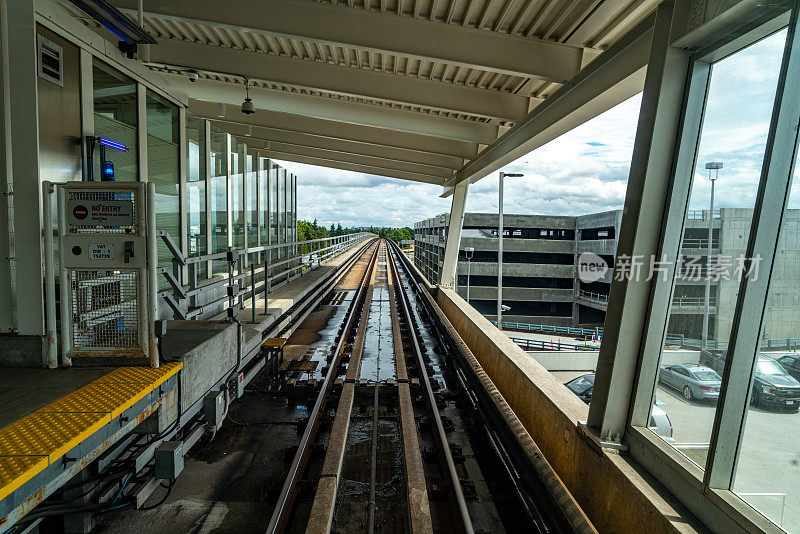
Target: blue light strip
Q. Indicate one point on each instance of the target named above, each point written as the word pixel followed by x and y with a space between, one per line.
pixel 113 144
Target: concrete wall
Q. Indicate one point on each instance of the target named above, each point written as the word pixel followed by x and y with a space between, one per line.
pixel 618 496
pixel 586 360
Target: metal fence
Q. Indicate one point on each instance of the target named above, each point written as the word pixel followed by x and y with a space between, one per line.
pixel 250 272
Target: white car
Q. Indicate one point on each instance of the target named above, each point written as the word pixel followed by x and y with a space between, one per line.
pixel 583 386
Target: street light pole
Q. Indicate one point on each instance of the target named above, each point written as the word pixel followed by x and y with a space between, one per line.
pixel 711 166
pixel 500 248
pixel 468 253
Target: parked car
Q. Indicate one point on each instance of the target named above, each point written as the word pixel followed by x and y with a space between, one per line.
pixel 694 381
pixel 791 363
pixel 773 386
pixel 583 386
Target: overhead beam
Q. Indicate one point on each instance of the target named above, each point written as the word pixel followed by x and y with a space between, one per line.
pixel 332 130
pixel 442 164
pixel 346 166
pixel 373 31
pixel 347 81
pixel 339 110
pixel 614 76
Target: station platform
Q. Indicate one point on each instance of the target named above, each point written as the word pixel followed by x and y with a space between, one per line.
pixel 55 422
pixel 49 435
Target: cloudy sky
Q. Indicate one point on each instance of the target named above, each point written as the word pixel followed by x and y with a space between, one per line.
pixel 583 171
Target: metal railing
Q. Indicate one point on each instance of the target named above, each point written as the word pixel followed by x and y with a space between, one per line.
pixel 671 339
pixel 250 272
pixel 554 345
pixel 686 301
pixel 700 243
pixel 599 298
pixel 701 214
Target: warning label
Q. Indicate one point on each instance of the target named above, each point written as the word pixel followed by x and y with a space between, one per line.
pixel 106 213
pixel 101 252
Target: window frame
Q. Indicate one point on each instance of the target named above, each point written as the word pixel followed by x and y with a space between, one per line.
pixel 708 492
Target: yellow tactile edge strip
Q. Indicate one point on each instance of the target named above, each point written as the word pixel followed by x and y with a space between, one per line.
pixel 30 444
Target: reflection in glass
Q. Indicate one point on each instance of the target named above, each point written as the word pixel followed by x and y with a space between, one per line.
pixel 218 145
pixel 714 241
pixel 768 467
pixel 196 188
pixel 163 169
pixel 237 193
pixel 115 118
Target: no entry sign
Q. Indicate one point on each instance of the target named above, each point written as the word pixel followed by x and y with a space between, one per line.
pixel 106 213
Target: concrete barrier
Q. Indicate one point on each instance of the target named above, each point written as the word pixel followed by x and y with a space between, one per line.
pixel 614 491
pixel 586 360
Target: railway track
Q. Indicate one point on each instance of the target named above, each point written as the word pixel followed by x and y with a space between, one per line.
pixel 391 442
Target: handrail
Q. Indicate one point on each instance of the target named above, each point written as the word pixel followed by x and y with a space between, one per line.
pixel 542 344
pixel 240 268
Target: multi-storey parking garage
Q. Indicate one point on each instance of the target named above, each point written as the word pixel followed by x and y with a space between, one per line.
pixel 172 359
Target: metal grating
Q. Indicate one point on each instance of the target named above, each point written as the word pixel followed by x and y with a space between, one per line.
pixel 96 196
pixel 105 309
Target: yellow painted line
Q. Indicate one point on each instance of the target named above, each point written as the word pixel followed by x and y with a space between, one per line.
pixel 106 397
pixel 49 434
pixel 17 470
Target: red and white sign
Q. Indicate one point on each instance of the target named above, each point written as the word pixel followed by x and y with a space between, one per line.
pixel 106 213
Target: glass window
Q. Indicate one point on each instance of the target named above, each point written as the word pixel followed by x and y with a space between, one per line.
pixel 282 209
pixel 218 175
pixel 251 209
pixel 273 206
pixel 163 169
pixel 237 192
pixel 723 194
pixel 263 200
pixel 115 118
pixel 196 187
pixel 767 474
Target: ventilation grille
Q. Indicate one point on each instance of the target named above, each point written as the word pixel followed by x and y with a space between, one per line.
pixel 51 65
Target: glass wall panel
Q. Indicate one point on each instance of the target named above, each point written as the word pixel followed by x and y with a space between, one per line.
pixel 706 285
pixel 237 192
pixel 282 209
pixel 273 206
pixel 263 200
pixel 196 147
pixel 163 169
pixel 115 118
pixel 218 146
pixel 251 199
pixel 767 472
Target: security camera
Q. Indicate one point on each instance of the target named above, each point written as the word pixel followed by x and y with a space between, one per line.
pixel 192 75
pixel 248 108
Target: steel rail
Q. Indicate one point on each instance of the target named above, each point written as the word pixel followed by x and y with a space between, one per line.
pixel 461 503
pixel 289 490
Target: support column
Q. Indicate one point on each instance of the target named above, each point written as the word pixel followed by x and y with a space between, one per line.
pixel 8 320
pixel 649 185
pixel 25 263
pixel 453 244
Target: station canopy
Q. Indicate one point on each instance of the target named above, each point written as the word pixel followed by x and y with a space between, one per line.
pixel 435 91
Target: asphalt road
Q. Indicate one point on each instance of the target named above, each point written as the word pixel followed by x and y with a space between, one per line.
pixel 769 462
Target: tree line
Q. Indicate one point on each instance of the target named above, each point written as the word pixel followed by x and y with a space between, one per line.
pixel 312 230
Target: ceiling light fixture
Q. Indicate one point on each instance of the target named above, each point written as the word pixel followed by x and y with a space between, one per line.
pixel 221 111
pixel 248 108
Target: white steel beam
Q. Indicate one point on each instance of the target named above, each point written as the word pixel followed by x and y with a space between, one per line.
pixel 339 110
pixel 373 159
pixel 355 167
pixel 423 171
pixel 343 145
pixel 614 76
pixel 453 243
pixel 355 82
pixel 373 31
pixel 288 122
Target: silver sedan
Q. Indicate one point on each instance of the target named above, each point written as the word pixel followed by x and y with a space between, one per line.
pixel 694 381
